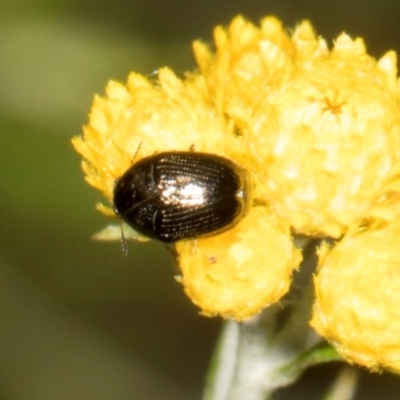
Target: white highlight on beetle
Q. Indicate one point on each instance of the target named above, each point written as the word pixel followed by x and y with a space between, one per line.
pixel 190 194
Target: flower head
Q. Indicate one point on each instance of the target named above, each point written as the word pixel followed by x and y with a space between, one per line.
pixel 358 297
pixel 318 131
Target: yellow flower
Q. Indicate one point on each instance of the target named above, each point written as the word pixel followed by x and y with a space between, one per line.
pixel 318 131
pixel 358 297
pixel 241 271
pixel 322 126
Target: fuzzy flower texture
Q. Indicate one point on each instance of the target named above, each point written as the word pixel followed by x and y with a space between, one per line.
pixel 318 131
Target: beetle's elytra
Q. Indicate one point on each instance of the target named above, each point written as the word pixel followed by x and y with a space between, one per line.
pixel 179 195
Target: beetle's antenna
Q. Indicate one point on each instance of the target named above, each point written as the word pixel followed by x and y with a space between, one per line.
pixel 137 151
pixel 123 240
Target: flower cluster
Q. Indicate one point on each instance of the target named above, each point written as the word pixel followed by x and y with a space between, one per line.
pixel 318 130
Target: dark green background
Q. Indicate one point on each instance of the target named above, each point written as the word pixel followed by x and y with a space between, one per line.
pixel 78 320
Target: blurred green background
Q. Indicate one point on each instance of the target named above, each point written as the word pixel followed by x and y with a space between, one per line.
pixel 78 320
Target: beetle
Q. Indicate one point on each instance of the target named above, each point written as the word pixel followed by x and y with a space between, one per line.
pixel 176 195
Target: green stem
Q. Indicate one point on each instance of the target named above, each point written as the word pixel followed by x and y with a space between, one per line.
pixel 222 368
pixel 345 385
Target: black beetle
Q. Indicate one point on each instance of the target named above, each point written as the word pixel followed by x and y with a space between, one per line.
pixel 178 195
